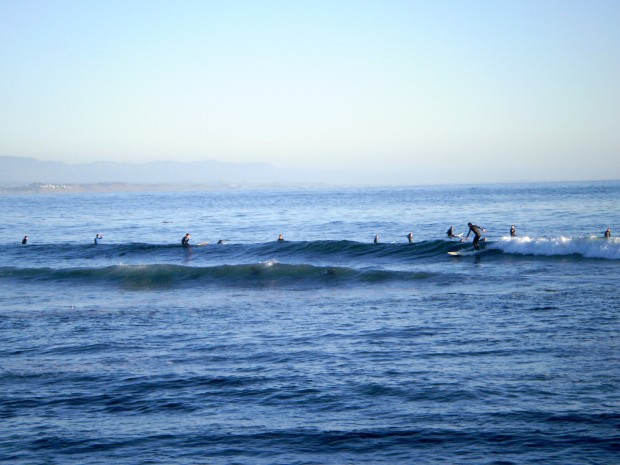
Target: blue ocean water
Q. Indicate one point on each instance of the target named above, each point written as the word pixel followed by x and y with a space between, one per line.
pixel 323 349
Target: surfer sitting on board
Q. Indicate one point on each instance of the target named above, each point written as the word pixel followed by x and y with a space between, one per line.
pixel 98 237
pixel 410 237
pixel 608 233
pixel 513 231
pixel 185 240
pixel 477 230
pixel 450 232
pixel 25 240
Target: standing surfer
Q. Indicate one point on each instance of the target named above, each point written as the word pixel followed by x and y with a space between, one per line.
pixel 477 230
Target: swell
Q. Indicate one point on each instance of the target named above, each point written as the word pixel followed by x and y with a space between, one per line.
pixel 266 274
pixel 309 263
pixel 586 247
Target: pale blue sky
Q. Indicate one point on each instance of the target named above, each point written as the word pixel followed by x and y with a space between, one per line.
pixel 412 91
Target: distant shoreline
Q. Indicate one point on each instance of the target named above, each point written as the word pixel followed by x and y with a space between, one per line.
pixel 120 187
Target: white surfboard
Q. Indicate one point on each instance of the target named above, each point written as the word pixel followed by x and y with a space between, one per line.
pixel 463 253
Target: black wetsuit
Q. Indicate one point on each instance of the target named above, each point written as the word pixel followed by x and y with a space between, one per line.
pixel 513 232
pixel 477 230
pixel 25 240
pixel 185 241
pixel 450 231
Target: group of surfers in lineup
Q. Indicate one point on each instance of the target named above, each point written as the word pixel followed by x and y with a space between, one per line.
pixel 475 229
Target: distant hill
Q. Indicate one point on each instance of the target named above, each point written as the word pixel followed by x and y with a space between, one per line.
pixel 20 171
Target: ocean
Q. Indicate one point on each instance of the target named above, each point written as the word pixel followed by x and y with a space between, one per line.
pixel 326 348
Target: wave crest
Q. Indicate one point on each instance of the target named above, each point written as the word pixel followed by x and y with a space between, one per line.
pixel 589 247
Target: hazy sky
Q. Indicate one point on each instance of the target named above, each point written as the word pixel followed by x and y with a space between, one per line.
pixel 419 91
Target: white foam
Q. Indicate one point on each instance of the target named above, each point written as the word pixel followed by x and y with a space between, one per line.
pixel 591 247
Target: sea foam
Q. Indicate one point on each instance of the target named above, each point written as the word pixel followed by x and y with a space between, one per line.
pixel 590 247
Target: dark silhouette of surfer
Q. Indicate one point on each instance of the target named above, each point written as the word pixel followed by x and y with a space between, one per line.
pixel 477 230
pixel 185 240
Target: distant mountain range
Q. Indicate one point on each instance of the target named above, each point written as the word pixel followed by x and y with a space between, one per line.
pixel 16 172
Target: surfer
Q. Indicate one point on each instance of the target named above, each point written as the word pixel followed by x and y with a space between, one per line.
pixel 185 240
pixel 450 232
pixel 25 240
pixel 513 231
pixel 280 238
pixel 477 230
pixel 607 233
pixel 410 237
pixel 376 239
pixel 98 237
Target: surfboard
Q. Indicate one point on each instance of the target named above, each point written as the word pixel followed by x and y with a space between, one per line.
pixel 203 243
pixel 463 253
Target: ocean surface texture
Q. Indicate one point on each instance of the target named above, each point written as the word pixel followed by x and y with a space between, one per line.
pixel 326 348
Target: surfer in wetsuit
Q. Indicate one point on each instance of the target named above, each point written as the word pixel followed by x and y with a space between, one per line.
pixel 376 239
pixel 410 237
pixel 25 240
pixel 607 233
pixel 513 231
pixel 477 230
pixel 450 232
pixel 280 238
pixel 185 240
pixel 98 237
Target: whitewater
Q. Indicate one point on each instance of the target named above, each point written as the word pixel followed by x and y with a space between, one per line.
pixel 324 348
